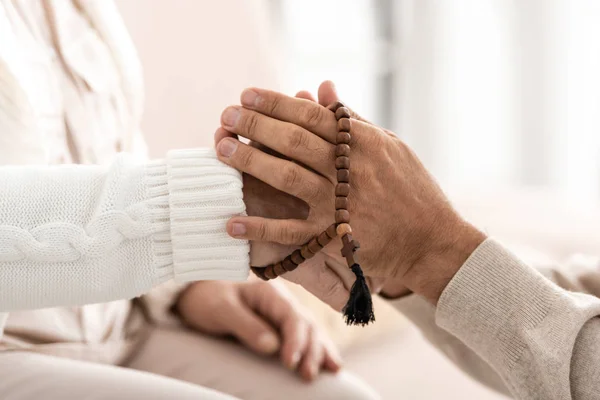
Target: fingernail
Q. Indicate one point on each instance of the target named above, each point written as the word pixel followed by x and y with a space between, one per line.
pixel 250 98
pixel 227 147
pixel 230 117
pixel 268 343
pixel 294 361
pixel 238 229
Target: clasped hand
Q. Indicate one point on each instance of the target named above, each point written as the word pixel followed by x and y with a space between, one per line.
pixel 410 234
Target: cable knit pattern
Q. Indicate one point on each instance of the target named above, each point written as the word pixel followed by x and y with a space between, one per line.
pixel 116 231
pixel 60 242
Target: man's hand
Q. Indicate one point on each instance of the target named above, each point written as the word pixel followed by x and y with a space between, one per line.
pixel 407 228
pixel 265 318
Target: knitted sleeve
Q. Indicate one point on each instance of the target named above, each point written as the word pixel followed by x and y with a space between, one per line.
pixel 72 235
pixel 529 333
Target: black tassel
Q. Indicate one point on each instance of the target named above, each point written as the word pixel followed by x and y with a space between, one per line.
pixel 359 308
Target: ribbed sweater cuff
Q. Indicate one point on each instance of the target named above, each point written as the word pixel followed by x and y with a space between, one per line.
pixel 492 301
pixel 193 195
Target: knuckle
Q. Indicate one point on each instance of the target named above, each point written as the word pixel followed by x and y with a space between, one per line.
pixel 246 158
pixel 298 141
pixel 273 103
pixel 291 176
pixel 251 124
pixel 262 232
pixel 312 116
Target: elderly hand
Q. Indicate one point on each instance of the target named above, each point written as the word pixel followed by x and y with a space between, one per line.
pixel 407 228
pixel 265 318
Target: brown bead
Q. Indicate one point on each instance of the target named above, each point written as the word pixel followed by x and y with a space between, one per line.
pixel 260 272
pixel 342 216
pixel 342 162
pixel 343 175
pixel 296 257
pixel 331 231
pixel 342 189
pixel 334 106
pixel 306 253
pixel 342 150
pixel 344 125
pixel 341 203
pixel 269 273
pixel 323 239
pixel 344 229
pixel 343 138
pixel 342 112
pixel 314 246
pixel 279 269
pixel 288 264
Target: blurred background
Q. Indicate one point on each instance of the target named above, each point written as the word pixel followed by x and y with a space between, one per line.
pixel 499 98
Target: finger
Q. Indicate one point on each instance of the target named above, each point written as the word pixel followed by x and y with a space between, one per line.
pixel 303 94
pixel 313 357
pixel 221 134
pixel 321 281
pixel 280 312
pixel 328 95
pixel 332 361
pixel 250 329
pixel 283 175
pixel 288 139
pixel 301 112
pixel 289 232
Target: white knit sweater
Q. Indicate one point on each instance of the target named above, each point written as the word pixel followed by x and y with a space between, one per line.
pixel 73 235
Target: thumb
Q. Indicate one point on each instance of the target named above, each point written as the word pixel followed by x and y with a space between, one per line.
pixel 328 95
pixel 250 329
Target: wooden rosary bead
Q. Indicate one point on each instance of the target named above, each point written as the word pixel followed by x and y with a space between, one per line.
pixel 279 269
pixel 332 231
pixel 323 239
pixel 344 125
pixel 306 253
pixel 314 246
pixel 342 150
pixel 342 216
pixel 341 203
pixel 344 229
pixel 343 138
pixel 296 257
pixel 260 272
pixel 288 265
pixel 269 273
pixel 342 189
pixel 343 175
pixel 342 162
pixel 342 112
pixel 334 107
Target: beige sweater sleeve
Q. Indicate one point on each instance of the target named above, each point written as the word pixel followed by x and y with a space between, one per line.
pixel 513 329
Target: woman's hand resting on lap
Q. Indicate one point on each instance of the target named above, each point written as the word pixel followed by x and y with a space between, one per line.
pixel 265 318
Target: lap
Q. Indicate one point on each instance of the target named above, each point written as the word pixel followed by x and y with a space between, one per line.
pixel 31 376
pixel 228 367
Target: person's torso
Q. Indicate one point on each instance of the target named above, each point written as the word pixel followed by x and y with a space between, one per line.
pixel 72 94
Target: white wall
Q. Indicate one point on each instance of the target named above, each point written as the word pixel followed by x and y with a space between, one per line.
pixel 198 55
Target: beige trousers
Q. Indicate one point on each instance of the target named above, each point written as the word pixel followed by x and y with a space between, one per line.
pixel 172 364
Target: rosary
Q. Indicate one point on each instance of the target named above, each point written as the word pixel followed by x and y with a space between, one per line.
pixel 359 308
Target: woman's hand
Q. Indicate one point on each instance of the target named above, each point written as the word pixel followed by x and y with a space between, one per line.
pixel 407 228
pixel 265 318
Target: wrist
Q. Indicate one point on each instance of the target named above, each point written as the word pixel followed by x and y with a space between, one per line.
pixel 432 273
